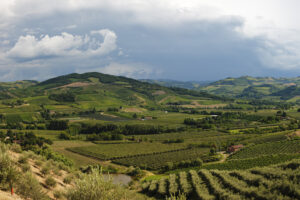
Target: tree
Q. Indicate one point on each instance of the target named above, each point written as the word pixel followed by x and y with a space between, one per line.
pixel 93 186
pixel 11 178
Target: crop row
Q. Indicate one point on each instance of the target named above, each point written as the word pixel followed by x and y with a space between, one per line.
pixel 248 163
pixel 288 146
pixel 124 150
pixel 260 183
pixel 158 161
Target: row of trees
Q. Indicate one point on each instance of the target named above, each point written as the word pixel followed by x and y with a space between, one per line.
pixel 26 140
pixel 135 129
pixel 230 117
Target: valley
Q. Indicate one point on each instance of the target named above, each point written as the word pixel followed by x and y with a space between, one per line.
pixel 207 142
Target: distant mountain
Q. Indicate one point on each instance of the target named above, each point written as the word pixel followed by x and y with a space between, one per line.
pixel 97 87
pixel 288 93
pixel 153 91
pixel 192 85
pixel 7 88
pixel 252 87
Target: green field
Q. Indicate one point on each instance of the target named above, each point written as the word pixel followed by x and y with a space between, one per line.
pixel 158 161
pixel 268 148
pixel 113 151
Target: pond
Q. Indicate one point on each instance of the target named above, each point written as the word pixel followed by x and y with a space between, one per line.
pixel 122 179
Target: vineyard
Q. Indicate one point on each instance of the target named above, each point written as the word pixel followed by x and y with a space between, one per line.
pixel 273 137
pixel 288 146
pixel 260 161
pixel 277 182
pixel 157 161
pixel 114 151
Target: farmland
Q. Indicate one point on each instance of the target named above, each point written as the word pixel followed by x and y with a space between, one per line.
pixel 268 149
pixel 113 151
pixel 159 160
pixel 258 183
pixel 177 140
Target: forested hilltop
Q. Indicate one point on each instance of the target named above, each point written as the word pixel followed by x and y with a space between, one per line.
pixel 61 136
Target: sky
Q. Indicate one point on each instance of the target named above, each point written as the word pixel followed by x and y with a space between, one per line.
pixel 157 39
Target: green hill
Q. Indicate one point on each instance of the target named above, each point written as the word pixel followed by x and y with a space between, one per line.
pixel 288 92
pixel 77 93
pixel 7 88
pixel 254 87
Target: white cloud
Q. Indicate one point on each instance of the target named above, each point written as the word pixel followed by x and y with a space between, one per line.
pixel 30 47
pixel 71 26
pixel 273 22
pixel 277 55
pixel 109 43
pixel 133 70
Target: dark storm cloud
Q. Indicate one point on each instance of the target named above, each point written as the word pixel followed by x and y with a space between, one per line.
pixel 145 46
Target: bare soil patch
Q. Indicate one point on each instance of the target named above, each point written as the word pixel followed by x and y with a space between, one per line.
pixel 75 84
pixel 196 104
pixel 133 110
pixel 159 92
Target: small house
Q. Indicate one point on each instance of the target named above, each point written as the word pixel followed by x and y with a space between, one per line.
pixel 234 148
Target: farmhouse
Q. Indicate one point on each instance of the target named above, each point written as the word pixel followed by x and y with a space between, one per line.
pixel 234 148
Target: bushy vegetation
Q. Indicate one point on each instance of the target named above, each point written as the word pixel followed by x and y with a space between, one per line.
pixel 93 186
pixel 63 97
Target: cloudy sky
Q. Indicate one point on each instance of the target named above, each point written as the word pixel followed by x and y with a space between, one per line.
pixel 172 39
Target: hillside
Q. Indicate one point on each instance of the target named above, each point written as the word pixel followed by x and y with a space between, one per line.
pixel 275 182
pixel 141 132
pixel 192 85
pixel 252 87
pixel 7 88
pixel 241 87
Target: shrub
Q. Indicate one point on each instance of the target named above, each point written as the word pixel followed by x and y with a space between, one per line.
pixel 57 171
pixel 8 173
pixel 198 162
pixel 180 196
pixel 64 136
pixel 57 194
pixel 16 148
pixel 29 187
pixel 23 159
pixel 50 182
pixel 25 167
pixel 93 187
pixel 45 170
pixel 169 166
pixel 68 179
pixel 38 163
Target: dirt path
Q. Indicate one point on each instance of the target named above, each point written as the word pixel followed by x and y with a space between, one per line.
pixel 7 196
pixel 225 156
pixel 164 99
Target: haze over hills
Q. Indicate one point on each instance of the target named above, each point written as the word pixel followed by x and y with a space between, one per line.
pixel 244 87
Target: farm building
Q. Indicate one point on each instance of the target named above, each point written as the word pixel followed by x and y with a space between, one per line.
pixel 234 148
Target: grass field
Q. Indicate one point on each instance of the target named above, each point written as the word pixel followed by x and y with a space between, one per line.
pixel 79 160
